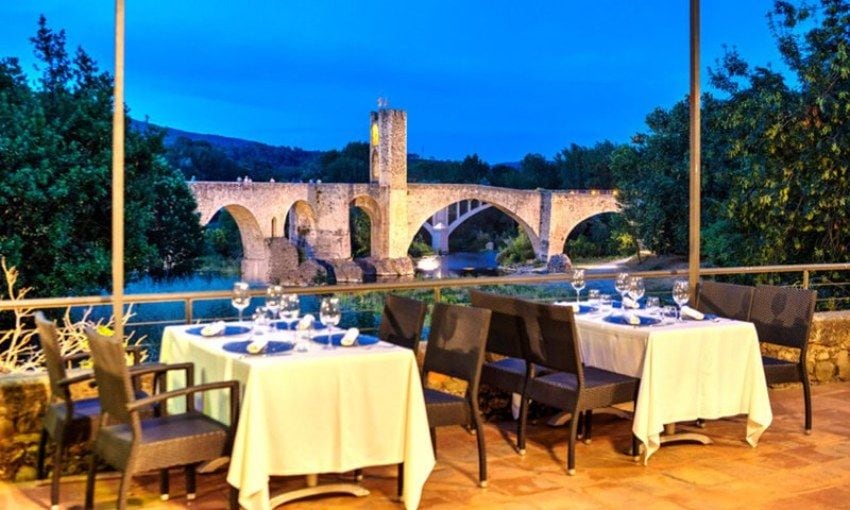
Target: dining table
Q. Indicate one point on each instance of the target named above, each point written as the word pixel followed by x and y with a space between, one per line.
pixel 688 370
pixel 311 407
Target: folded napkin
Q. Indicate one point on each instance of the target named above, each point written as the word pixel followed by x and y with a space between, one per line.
pixel 213 329
pixel 630 303
pixel 633 319
pixel 575 306
pixel 691 313
pixel 257 345
pixel 349 337
pixel 306 322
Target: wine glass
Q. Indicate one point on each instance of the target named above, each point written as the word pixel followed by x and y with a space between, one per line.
pixel 578 282
pixel 241 298
pixel 290 308
pixel 622 286
pixel 329 315
pixel 653 306
pixel 681 294
pixel 261 324
pixel 273 298
pixel 636 289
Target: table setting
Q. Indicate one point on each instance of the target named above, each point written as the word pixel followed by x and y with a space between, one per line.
pixel 317 398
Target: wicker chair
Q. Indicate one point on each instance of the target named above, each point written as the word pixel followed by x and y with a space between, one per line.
pixel 456 348
pixel 505 340
pixel 783 316
pixel 553 343
pixel 67 421
pixel 725 299
pixel 132 444
pixel 401 321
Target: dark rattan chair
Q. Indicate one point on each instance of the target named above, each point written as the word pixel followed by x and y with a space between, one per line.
pixel 132 444
pixel 553 343
pixel 725 299
pixel 401 321
pixel 66 421
pixel 783 316
pixel 456 349
pixel 505 340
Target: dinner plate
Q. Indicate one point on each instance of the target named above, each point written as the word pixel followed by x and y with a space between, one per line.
pixel 622 319
pixel 228 331
pixel 336 337
pixel 272 347
pixel 582 309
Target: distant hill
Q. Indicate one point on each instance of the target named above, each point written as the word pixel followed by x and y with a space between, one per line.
pixel 221 158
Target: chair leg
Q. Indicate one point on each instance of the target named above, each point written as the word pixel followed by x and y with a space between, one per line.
pixel 163 484
pixel 42 451
pixel 588 422
pixel 123 488
pixel 807 398
pixel 571 447
pixel 400 481
pixel 521 426
pixel 434 440
pixel 482 453
pixel 635 448
pixel 358 475
pixel 55 478
pixel 90 483
pixel 190 482
pixel 234 498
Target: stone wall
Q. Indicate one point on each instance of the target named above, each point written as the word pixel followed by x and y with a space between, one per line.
pixel 829 348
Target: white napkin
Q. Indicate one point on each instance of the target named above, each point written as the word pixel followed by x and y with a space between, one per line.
pixel 575 306
pixel 633 319
pixel 691 313
pixel 349 337
pixel 213 329
pixel 306 322
pixel 630 303
pixel 257 345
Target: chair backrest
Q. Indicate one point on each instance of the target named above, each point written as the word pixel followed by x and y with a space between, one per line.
pixel 725 299
pixel 401 321
pixel 456 343
pixel 553 341
pixel 783 315
pixel 112 376
pixel 507 330
pixel 49 340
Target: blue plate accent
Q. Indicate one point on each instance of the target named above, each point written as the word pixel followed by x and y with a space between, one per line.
pixel 228 331
pixel 619 304
pixel 273 347
pixel 706 317
pixel 336 337
pixel 621 319
pixel 282 324
pixel 586 309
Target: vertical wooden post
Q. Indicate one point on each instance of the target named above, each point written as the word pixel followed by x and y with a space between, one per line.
pixel 694 209
pixel 118 175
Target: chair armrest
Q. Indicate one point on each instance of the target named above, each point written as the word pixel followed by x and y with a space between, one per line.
pixel 77 356
pixel 85 376
pixel 162 368
pixel 189 390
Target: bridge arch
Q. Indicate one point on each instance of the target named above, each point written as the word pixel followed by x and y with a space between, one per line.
pixel 376 220
pixel 562 231
pixel 421 220
pixel 254 249
pixel 299 224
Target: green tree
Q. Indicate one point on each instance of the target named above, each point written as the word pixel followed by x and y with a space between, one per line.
pixel 55 206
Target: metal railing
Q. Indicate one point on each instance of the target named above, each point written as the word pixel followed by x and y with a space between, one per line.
pixel 437 286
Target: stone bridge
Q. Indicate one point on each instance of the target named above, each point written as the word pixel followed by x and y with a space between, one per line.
pixel 316 215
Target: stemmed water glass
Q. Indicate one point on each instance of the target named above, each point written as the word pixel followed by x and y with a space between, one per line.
pixel 273 298
pixel 240 298
pixel 330 315
pixel 289 308
pixel 578 282
pixel 681 294
pixel 636 289
pixel 622 286
pixel 653 306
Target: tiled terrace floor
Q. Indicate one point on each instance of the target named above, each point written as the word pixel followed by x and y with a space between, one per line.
pixel 787 470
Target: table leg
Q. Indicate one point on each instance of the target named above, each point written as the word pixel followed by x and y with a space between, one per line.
pixel 671 436
pixel 313 489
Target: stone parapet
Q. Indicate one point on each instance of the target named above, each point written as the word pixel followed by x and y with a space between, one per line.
pixel 829 348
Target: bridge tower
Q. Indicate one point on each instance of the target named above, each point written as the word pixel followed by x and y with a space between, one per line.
pixel 388 174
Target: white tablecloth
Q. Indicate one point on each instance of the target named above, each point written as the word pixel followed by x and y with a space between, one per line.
pixel 323 411
pixel 689 370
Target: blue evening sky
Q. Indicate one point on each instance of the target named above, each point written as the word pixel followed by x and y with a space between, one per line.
pixel 495 77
